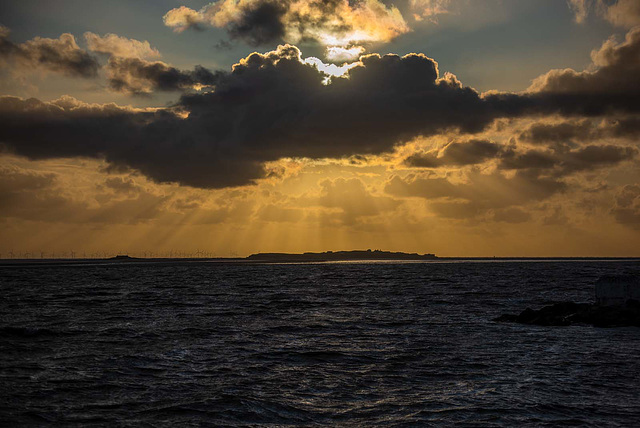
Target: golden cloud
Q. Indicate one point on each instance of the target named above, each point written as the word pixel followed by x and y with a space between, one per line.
pixel 333 23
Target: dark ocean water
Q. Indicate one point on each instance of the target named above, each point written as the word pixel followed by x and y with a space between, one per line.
pixel 348 344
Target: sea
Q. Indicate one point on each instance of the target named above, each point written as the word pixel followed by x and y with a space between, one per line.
pixel 177 343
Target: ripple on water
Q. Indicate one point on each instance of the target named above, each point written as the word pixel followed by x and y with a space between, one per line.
pixel 341 344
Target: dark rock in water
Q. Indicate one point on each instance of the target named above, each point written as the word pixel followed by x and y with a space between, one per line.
pixel 569 313
pixel 617 305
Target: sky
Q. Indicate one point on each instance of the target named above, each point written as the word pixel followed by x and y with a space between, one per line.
pixel 454 127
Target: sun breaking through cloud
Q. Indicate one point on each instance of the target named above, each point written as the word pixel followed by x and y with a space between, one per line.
pixel 313 138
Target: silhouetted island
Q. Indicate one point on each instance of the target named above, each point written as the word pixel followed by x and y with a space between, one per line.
pixel 330 256
pixel 123 257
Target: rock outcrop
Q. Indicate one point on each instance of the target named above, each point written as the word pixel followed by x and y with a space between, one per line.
pixel 569 313
pixel 617 305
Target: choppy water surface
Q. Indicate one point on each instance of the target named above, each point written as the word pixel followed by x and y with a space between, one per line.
pixel 339 344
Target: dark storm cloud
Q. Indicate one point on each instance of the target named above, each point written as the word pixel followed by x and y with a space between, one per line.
pixel 595 156
pixel 531 159
pixel 269 106
pixel 456 154
pixel 259 23
pixel 576 132
pixel 139 76
pixel 541 133
pixel 560 159
pixel 276 105
pixel 60 55
pixel 628 127
pixel 565 162
pixel 157 143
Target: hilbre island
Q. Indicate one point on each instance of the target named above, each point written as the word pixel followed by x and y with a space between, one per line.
pixel 336 256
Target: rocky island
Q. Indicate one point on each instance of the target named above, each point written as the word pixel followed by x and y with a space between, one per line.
pixel 334 256
pixel 617 304
pixel 122 258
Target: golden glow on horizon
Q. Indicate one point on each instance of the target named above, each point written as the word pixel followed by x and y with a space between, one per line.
pixel 421 161
pixel 315 205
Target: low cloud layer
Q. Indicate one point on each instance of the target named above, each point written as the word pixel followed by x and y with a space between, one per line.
pixel 556 160
pixel 139 77
pixel 34 196
pixel 480 193
pixel 564 162
pixel 456 154
pixel 580 131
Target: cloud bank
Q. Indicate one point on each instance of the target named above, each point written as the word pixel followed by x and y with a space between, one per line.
pixel 127 68
pixel 141 77
pixel 276 105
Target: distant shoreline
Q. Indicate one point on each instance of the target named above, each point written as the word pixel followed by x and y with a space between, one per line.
pixel 301 258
